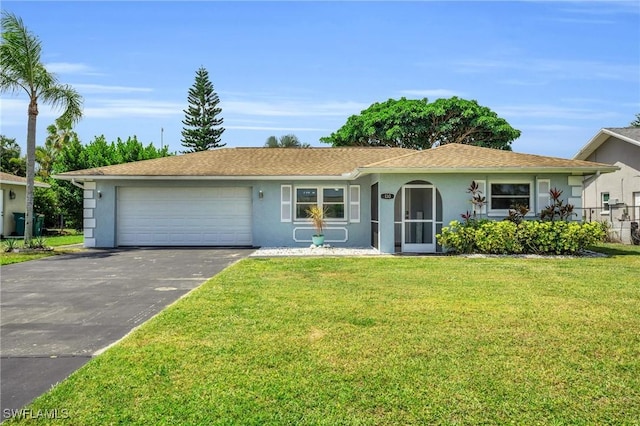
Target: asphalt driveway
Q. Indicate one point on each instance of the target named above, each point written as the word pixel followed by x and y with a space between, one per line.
pixel 58 312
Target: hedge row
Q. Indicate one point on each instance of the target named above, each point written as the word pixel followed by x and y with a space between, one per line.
pixel 527 237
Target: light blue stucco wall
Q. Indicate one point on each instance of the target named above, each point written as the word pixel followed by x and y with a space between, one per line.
pixel 267 227
pixel 269 231
pixel 455 199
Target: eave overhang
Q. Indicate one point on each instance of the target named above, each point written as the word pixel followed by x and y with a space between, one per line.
pixel 85 178
pixel 577 171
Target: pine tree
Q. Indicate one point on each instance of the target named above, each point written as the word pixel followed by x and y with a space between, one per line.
pixel 202 129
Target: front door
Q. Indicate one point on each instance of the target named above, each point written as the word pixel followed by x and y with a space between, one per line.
pixel 418 223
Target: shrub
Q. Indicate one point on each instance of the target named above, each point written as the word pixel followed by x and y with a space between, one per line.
pixel 497 238
pixel 10 244
pixel 459 237
pixel 532 237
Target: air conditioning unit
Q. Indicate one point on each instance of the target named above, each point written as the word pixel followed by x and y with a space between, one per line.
pixel 614 201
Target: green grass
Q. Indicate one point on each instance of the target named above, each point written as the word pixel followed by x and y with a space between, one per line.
pixel 64 240
pixel 376 341
pixel 57 241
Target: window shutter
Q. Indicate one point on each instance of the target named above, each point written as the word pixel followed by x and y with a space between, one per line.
pixel 354 203
pixel 482 187
pixel 285 203
pixel 544 198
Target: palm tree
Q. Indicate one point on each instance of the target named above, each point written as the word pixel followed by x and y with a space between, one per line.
pixel 22 69
pixel 59 135
pixel 286 141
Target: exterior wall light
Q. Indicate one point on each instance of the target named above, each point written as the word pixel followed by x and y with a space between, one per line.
pixel 260 194
pixel 12 194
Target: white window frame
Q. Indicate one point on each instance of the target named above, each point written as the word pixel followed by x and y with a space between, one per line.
pixel 503 212
pixel 606 207
pixel 320 201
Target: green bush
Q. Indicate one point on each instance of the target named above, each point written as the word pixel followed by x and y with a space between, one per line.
pixel 531 237
pixel 498 238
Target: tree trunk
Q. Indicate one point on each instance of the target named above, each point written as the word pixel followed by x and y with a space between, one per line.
pixel 31 162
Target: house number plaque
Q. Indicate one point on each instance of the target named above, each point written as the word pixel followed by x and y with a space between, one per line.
pixel 386 196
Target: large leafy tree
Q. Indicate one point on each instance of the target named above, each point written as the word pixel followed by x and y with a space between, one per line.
pixel 418 124
pixel 10 159
pixel 636 122
pixel 203 126
pixel 23 70
pixel 285 141
pixel 97 153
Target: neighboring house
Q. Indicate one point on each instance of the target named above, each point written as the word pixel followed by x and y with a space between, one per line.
pixel 13 194
pixel 394 199
pixel 614 197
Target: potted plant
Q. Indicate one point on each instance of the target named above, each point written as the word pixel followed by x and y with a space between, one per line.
pixel 317 215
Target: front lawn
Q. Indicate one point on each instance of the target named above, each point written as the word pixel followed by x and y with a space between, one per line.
pixel 374 341
pixel 57 241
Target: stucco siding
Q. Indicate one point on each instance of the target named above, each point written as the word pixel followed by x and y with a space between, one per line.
pixel 267 228
pixel 620 184
pixel 270 230
pixel 455 198
pixel 622 187
pixel 10 206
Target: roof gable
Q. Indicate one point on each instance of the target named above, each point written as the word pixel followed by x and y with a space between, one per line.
pixel 627 134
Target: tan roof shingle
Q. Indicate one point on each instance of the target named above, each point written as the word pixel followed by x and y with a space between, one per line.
pixel 332 162
pixel 458 156
pixel 252 162
pixel 8 178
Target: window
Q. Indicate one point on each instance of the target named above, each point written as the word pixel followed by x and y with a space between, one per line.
pixel 507 195
pixel 333 202
pixel 332 199
pixel 605 201
pixel 305 198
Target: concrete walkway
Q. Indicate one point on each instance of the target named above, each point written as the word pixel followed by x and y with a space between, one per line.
pixel 57 312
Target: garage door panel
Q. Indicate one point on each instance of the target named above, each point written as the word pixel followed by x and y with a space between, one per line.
pixel 184 216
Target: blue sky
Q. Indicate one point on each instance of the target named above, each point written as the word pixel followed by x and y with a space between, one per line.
pixel 558 71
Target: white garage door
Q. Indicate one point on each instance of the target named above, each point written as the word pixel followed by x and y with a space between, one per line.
pixel 184 216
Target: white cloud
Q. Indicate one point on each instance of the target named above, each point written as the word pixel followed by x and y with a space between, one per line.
pixel 553 111
pixel 289 108
pixel 558 68
pixel 70 68
pixel 112 108
pixel 100 88
pixel 584 21
pixel 550 127
pixel 435 93
pixel 13 112
pixel 279 129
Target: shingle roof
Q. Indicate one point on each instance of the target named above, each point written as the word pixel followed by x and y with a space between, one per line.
pixel 464 157
pixel 252 162
pixel 629 132
pixel 8 178
pixel 333 162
